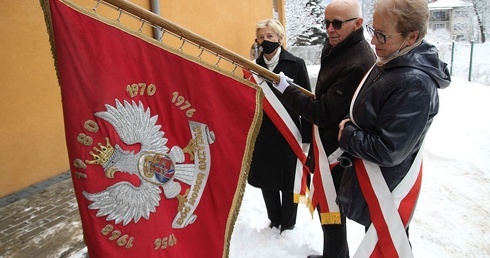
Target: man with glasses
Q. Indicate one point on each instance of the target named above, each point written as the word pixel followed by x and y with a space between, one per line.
pixel 346 57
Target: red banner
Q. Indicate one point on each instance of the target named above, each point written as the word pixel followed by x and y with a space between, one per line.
pixel 159 145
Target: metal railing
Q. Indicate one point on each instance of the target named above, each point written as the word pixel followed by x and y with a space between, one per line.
pixel 467 60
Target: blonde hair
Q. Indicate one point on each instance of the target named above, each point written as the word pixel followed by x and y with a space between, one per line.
pixel 275 25
pixel 411 15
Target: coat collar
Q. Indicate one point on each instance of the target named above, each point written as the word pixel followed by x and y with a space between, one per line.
pixel 352 39
pixel 284 56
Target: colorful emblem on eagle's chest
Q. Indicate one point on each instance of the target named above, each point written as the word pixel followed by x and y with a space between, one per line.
pixel 156 166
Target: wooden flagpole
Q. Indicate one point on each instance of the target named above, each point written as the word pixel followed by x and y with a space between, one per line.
pixel 197 39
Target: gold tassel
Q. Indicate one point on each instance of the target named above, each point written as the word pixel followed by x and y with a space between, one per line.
pixel 300 198
pixel 330 218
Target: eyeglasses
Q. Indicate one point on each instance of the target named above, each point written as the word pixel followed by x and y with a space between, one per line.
pixel 335 23
pixel 379 36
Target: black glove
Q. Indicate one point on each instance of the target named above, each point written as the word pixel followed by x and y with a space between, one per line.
pixel 345 160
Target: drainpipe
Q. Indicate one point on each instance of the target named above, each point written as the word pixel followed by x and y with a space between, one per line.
pixel 155 8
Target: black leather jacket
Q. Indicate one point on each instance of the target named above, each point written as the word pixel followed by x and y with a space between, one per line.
pixel 393 113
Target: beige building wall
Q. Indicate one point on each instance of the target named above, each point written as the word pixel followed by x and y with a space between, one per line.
pixel 32 140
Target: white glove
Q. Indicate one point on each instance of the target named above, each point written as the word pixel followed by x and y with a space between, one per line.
pixel 284 82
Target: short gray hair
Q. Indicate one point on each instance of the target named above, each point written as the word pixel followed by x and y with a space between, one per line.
pixel 411 15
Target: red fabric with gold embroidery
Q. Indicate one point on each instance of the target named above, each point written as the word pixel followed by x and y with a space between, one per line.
pixel 163 200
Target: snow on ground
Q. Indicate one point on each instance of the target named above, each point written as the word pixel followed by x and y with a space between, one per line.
pixel 451 219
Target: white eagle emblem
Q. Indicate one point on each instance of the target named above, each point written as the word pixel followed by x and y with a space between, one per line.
pixel 153 164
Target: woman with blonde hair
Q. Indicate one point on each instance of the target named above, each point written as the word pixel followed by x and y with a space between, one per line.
pixel 274 162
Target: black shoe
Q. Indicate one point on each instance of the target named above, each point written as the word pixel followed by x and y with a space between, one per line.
pixel 315 256
pixel 287 228
pixel 274 225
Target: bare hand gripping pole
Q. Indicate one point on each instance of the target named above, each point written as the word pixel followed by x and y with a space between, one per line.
pixel 197 39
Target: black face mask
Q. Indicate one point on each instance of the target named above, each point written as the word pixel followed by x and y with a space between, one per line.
pixel 269 47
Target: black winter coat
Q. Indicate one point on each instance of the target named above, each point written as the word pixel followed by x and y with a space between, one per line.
pixel 394 110
pixel 342 68
pixel 274 162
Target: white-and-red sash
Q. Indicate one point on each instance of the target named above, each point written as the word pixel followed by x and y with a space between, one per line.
pixel 286 126
pixel 390 212
pixel 322 189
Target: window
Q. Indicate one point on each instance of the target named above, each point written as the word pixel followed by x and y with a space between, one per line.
pixel 439 14
pixel 460 27
pixel 460 13
pixel 438 26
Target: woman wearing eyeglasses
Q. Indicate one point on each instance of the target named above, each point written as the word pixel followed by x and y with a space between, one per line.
pixel 390 115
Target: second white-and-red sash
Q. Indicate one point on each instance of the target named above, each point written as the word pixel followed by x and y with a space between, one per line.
pixel 322 189
pixel 286 126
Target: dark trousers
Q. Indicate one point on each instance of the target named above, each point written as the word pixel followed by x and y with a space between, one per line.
pixel 281 208
pixel 335 240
